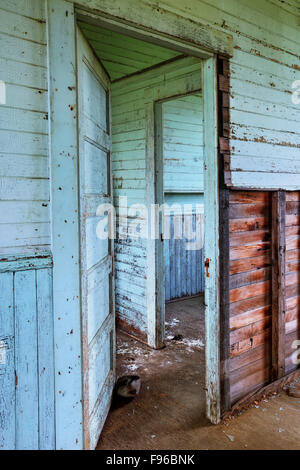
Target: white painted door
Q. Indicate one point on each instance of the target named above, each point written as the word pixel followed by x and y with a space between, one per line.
pixel 98 322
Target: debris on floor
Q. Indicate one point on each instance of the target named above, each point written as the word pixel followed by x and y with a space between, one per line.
pixel 169 412
pixel 294 390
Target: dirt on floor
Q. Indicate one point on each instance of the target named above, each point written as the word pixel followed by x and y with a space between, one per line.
pixel 169 412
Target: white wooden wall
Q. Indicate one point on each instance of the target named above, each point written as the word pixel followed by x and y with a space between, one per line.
pixel 24 165
pixel 183 184
pixel 131 99
pixel 27 417
pixel 183 145
pixel 263 38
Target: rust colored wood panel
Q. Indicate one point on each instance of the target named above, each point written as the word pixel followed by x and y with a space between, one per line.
pixel 253 355
pixel 249 291
pixel 293 196
pixel 247 264
pixel 250 277
pixel 254 378
pixel 292 266
pixel 292 291
pixel 292 207
pixel 292 282
pixel 292 231
pixel 247 251
pixel 242 347
pixel 292 278
pixel 249 197
pixel 292 314
pixel 236 239
pixel 292 219
pixel 238 211
pixel 249 224
pixel 250 331
pixel 247 318
pixel 250 296
pixel 292 303
pixel 248 305
pixel 293 243
pixel 292 255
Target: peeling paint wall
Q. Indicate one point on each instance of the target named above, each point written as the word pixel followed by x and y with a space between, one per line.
pixel 131 100
pixel 24 164
pixel 264 135
pixel 27 419
pixel 183 187
pixel 263 37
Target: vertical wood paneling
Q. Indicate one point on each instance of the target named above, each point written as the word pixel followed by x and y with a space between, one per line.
pixel 211 241
pixel 7 363
pixel 98 344
pixel 27 418
pixel 65 223
pixel 27 387
pixel 45 355
pixel 184 268
pixel 278 284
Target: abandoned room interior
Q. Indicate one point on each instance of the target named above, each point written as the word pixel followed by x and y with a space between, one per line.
pixel 150 224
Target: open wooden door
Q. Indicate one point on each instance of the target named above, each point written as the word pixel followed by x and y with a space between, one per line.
pixel 97 291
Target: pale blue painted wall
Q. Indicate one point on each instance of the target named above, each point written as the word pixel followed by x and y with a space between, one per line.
pixel 264 136
pixel 132 99
pixel 183 186
pixel 27 357
pixel 27 419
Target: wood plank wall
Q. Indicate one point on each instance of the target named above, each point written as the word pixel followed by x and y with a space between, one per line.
pixel 132 100
pixel 264 131
pixel 183 144
pixel 184 268
pixel 252 269
pixel 292 278
pixel 250 310
pixel 122 55
pixel 27 416
pixel 24 162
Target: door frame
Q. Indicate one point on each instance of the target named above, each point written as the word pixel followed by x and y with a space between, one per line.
pixel 62 18
pixel 211 203
pixel 211 237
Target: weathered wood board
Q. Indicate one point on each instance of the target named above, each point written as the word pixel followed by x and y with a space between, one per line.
pixel 24 161
pixel 27 418
pixel 250 300
pixel 97 291
pixel 132 104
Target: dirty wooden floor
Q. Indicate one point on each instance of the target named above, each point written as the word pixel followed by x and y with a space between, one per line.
pixel 169 412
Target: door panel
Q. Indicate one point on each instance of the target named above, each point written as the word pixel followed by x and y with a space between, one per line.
pixel 98 323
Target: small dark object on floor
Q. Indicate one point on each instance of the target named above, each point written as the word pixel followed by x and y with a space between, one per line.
pixel 177 338
pixel 128 386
